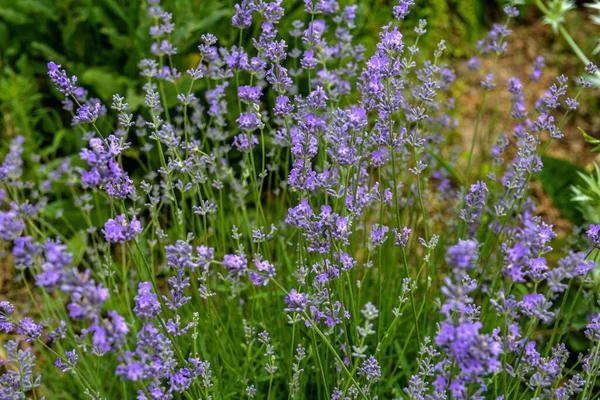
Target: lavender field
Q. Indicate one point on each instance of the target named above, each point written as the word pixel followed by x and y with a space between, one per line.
pixel 299 200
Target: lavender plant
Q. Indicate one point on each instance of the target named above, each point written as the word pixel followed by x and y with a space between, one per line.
pixel 292 219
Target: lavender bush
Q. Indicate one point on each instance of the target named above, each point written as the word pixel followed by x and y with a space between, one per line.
pixel 295 220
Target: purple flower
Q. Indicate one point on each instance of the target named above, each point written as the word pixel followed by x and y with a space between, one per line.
pixel 71 361
pixel 242 144
pixel 512 12
pixel 178 285
pixel 402 9
pixel 514 86
pixel 296 302
pixel 59 77
pixel 275 51
pixel 475 354
pixel 181 380
pixel 146 302
pixel 300 216
pixel 59 333
pixel 463 255
pixel 19 379
pixel 536 305
pixel 379 235
pixel 87 297
pixel 30 329
pixel 153 358
pixel 473 64
pixel 282 106
pixel 24 251
pixel 266 271
pixel 538 66
pixel 235 264
pixel 515 260
pixel 6 309
pixel 120 188
pixel 308 60
pixel 401 238
pixel 249 121
pixel 201 369
pixel 105 171
pixel 250 94
pixel 346 260
pixel 370 369
pixel 180 255
pixel 119 230
pixel 89 113
pixel 164 48
pixel 488 83
pixel 278 77
pixel 54 269
pixel 11 225
pixel 391 40
pixel 592 331
pixel 12 166
pixel 538 269
pixel 205 256
pixel 593 235
pixel 242 18
pixel 474 203
pixel 575 264
pixel 108 334
pixel 272 12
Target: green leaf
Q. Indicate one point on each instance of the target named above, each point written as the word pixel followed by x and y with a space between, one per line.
pixel 56 142
pixel 105 82
pixel 51 210
pixel 77 246
pixel 202 25
pixel 117 40
pixel 134 99
pixel 70 28
pixel 39 7
pixel 48 52
pixel 12 16
pixel 556 178
pixel 590 139
pixel 4 35
pixel 116 8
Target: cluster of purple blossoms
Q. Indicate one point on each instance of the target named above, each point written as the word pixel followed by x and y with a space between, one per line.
pixel 25 327
pixel 593 233
pixel 475 354
pixel 54 266
pixel 296 302
pixel 69 364
pixel 121 229
pixel 264 272
pixel 87 111
pixel 105 172
pixel 320 230
pixel 11 223
pixel 474 204
pixel 11 170
pixel 146 302
pixel 19 378
pixel 59 77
